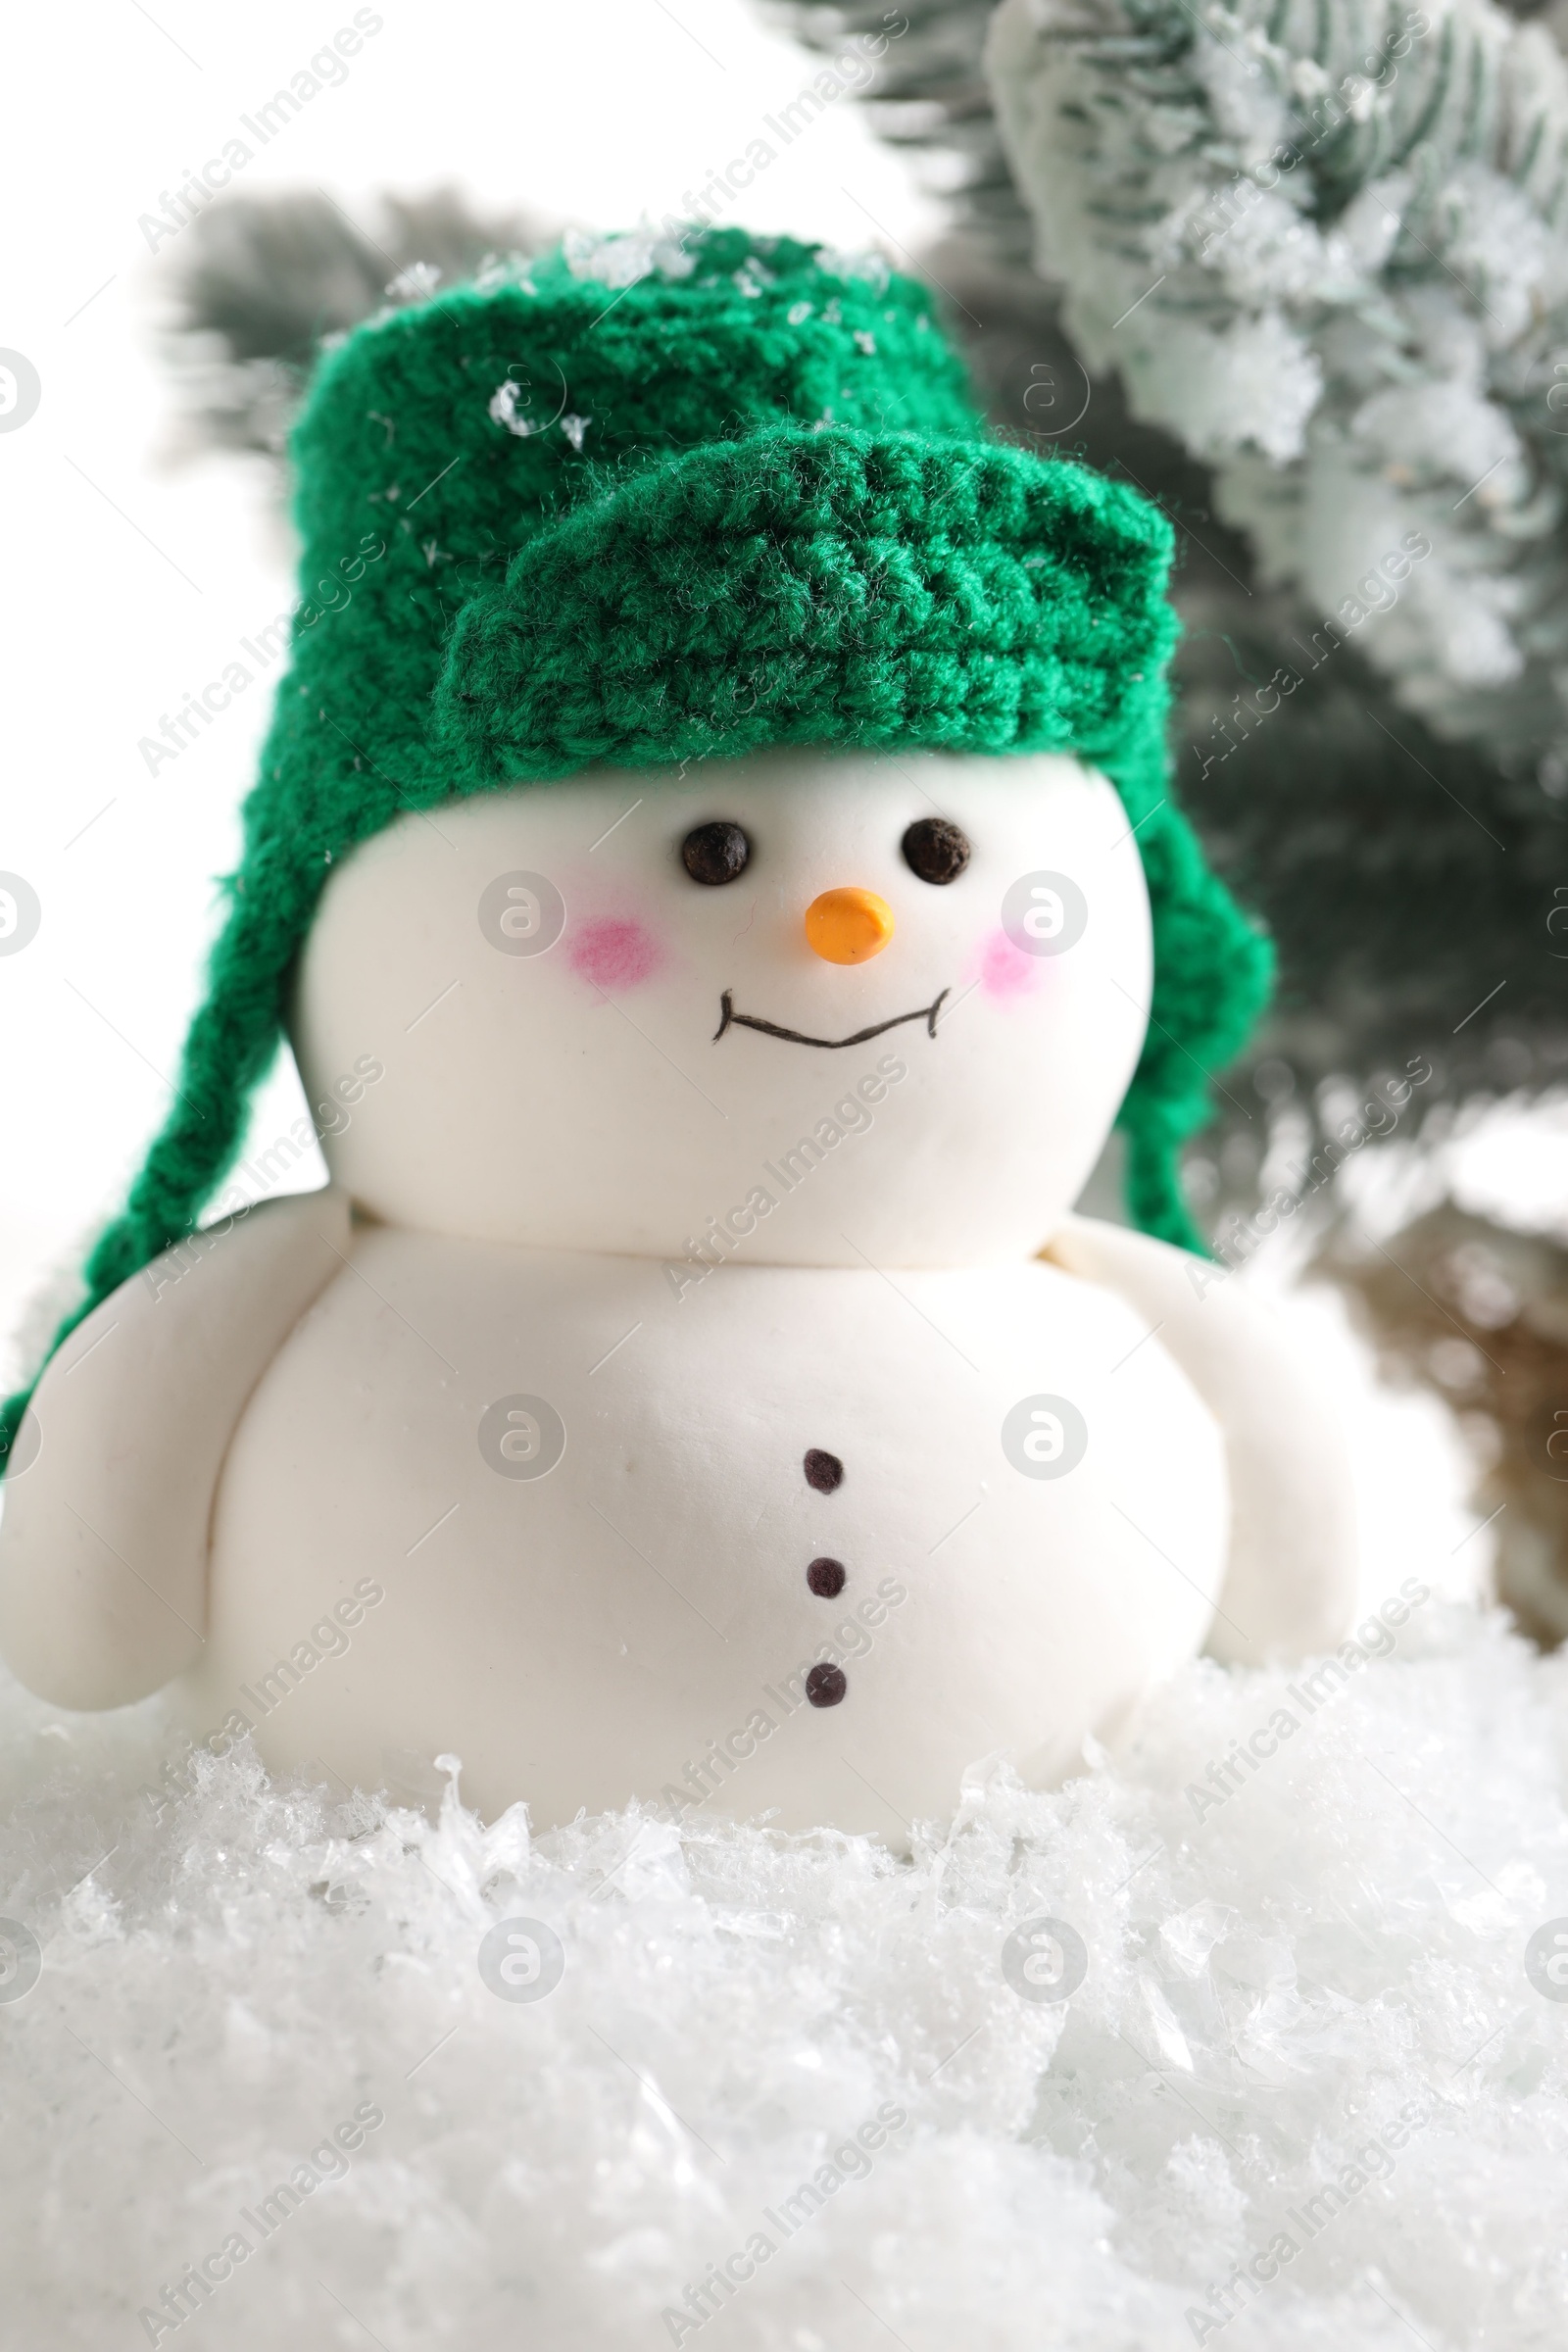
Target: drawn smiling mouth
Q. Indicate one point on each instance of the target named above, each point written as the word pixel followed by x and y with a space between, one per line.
pixel 798 1037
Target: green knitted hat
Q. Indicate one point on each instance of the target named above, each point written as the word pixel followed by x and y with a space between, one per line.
pixel 648 503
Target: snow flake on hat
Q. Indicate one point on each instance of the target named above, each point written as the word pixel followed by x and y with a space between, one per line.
pixel 414 283
pixel 622 259
pixel 834 263
pixel 503 410
pixel 510 269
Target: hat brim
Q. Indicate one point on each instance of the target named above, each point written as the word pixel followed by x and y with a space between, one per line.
pixel 831 586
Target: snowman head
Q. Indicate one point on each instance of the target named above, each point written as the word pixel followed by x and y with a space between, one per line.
pixel 815 1004
pixel 682 574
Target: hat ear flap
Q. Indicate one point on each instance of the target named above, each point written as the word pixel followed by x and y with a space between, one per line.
pixel 1214 974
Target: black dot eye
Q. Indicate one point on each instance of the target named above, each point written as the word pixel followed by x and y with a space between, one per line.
pixel 935 850
pixel 716 853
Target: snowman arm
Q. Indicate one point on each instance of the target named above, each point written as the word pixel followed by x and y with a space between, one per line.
pixel 104 1541
pixel 1291 1578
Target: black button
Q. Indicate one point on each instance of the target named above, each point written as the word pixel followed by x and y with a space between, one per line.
pixel 826 1684
pixel 823 1471
pixel 826 1579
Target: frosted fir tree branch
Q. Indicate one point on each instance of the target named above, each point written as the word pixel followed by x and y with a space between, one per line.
pixel 1323 243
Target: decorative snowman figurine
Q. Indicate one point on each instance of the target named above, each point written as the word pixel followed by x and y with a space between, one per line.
pixel 715 863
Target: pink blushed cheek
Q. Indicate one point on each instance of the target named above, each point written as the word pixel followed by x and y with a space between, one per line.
pixel 1007 970
pixel 614 952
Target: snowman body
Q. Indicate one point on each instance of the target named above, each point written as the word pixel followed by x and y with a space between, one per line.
pixel 669 1398
pixel 670 1608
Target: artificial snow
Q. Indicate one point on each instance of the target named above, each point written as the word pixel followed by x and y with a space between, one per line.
pixel 740 2089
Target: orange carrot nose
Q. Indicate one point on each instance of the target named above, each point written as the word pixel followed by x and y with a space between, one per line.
pixel 849 926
